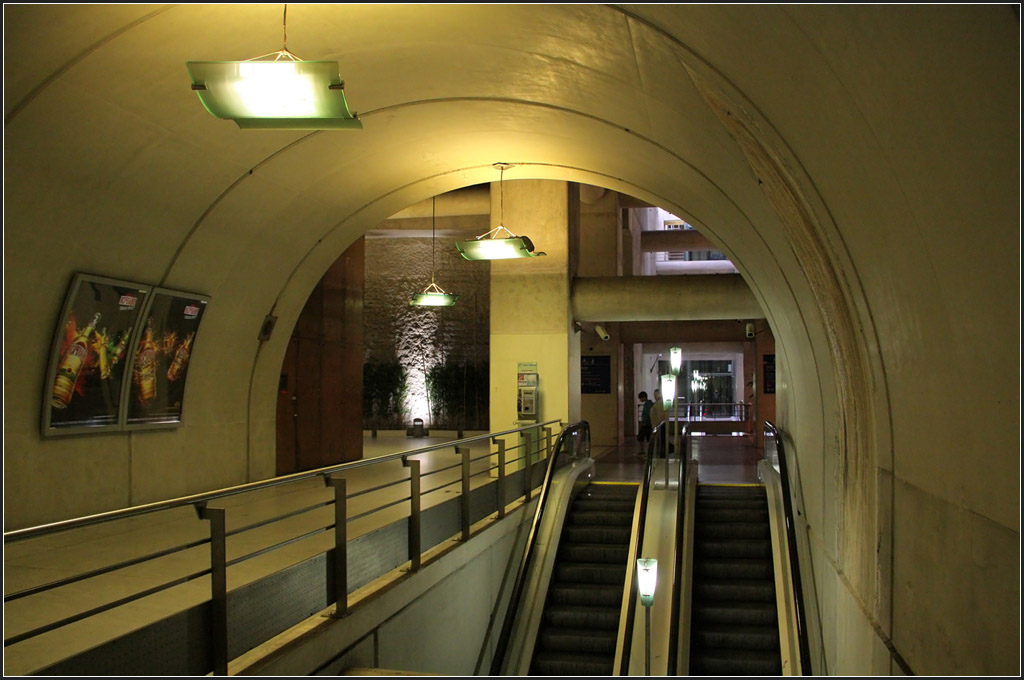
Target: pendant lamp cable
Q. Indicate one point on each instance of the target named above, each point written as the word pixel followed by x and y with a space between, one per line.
pixel 284 52
pixel 433 235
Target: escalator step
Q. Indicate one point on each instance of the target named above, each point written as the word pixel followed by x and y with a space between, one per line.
pixel 577 641
pixel 589 596
pixel 571 665
pixel 732 530
pixel 735 590
pixel 706 548
pixel 729 512
pixel 720 569
pixel 612 519
pixel 601 534
pixel 737 637
pixel 734 613
pixel 715 491
pixel 595 618
pixel 590 573
pixel 605 504
pixel 734 662
pixel 594 552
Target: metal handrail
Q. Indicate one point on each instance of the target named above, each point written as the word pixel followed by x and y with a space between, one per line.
pixel 199 503
pixel 659 439
pixel 805 654
pixel 201 498
pixel 511 611
pixel 677 582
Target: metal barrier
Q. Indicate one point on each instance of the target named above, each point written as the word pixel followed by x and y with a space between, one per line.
pixel 330 569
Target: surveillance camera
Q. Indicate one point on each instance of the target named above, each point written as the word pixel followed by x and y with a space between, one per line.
pixel 602 333
pixel 750 331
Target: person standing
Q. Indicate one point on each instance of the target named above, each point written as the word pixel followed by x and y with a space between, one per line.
pixel 644 432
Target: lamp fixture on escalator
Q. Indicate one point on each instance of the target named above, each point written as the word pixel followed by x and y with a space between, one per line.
pixel 274 91
pixel 676 358
pixel 499 243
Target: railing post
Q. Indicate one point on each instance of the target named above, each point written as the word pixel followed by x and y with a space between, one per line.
pixel 547 442
pixel 218 587
pixel 528 470
pixel 340 546
pixel 414 513
pixel 502 497
pixel 464 452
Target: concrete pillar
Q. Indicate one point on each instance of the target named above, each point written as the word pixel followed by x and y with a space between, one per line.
pixel 530 309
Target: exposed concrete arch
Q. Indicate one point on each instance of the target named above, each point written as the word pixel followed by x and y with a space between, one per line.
pixel 881 143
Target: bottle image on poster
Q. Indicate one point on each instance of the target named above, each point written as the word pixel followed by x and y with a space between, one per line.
pixel 161 359
pixel 89 353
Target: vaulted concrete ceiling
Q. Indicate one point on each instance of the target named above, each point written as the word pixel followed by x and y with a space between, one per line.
pixel 812 143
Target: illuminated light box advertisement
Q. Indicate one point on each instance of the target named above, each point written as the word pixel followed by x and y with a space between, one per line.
pixel 161 356
pixel 86 371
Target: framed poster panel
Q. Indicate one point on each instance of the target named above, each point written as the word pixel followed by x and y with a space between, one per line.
pixel 85 376
pixel 160 359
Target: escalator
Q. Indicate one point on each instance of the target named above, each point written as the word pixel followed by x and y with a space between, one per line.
pixel 734 626
pixel 580 623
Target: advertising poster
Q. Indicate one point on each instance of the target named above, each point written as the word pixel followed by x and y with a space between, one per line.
pixel 160 359
pixel 87 365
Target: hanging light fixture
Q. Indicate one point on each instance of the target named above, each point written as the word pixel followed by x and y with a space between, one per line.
pixel 433 295
pixel 276 91
pixel 499 243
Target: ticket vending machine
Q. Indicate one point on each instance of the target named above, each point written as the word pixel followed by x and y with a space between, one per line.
pixel 528 408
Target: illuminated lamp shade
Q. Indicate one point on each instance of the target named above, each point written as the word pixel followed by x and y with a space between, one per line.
pixel 282 94
pixel 433 296
pixel 646 579
pixel 668 390
pixel 676 357
pixel 490 247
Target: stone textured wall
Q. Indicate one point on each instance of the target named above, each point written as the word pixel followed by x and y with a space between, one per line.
pixel 421 337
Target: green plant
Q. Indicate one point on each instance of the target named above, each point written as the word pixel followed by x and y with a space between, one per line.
pixel 458 394
pixel 384 385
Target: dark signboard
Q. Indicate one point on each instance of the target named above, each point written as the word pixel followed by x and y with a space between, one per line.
pixel 769 374
pixel 596 374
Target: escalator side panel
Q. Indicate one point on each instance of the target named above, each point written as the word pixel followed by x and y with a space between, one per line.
pixel 565 485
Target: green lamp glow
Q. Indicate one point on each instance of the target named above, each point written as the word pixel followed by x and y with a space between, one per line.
pixel 433 295
pixel 499 243
pixel 286 94
pixel 490 247
pixel 646 579
pixel 277 90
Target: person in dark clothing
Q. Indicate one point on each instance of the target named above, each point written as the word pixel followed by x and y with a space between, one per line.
pixel 644 432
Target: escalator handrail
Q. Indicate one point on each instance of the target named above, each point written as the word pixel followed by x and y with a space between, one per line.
pixel 501 648
pixel 656 443
pixel 805 655
pixel 677 581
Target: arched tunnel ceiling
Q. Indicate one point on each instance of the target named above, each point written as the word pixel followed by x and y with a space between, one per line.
pixel 567 92
pixel 745 120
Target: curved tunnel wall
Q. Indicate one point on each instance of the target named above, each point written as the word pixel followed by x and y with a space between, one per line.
pixel 853 167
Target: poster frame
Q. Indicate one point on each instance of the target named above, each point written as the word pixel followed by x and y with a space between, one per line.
pixel 125 417
pixel 55 357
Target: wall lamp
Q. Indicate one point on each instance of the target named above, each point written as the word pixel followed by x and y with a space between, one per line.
pixel 274 91
pixel 499 243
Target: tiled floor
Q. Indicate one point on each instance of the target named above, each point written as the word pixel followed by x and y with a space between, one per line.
pixel 43 560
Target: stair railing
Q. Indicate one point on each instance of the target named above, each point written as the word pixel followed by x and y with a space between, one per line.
pixel 574 441
pixel 657 443
pixel 773 434
pixel 680 542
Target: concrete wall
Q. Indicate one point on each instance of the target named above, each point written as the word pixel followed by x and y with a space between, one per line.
pixel 857 163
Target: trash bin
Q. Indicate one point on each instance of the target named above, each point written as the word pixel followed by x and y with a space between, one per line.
pixel 417 427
